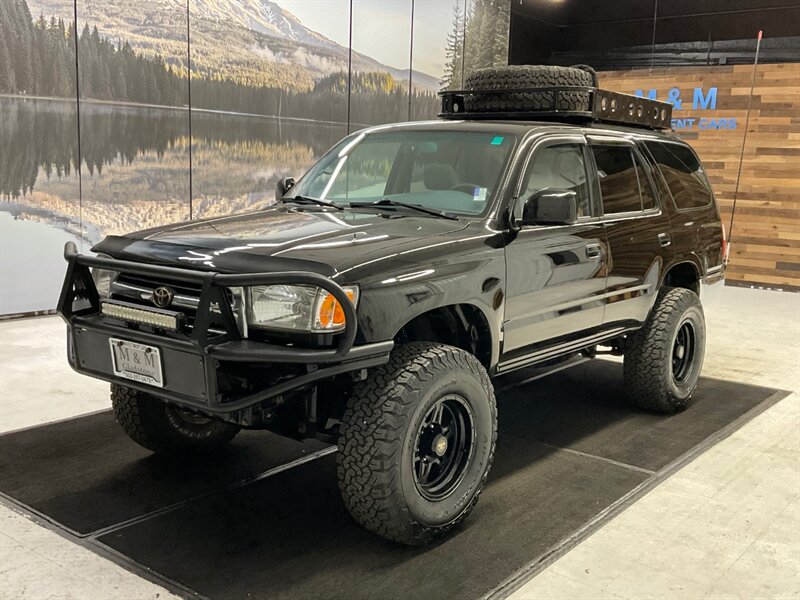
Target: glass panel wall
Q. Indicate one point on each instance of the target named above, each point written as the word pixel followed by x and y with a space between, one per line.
pixel 134 121
pixel 438 56
pixel 39 187
pixel 268 97
pixel 486 34
pixel 381 63
pixel 164 111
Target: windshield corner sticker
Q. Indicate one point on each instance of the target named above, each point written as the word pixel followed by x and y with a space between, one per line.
pixel 497 140
pixel 479 194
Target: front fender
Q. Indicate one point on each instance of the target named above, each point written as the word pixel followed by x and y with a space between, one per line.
pixel 396 292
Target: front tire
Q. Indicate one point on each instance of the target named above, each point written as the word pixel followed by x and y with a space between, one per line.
pixel 164 428
pixel 664 358
pixel 417 442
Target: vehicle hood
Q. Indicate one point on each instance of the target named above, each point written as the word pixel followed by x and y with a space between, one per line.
pixel 280 238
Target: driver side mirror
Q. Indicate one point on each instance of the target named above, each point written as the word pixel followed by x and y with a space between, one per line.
pixel 283 186
pixel 549 206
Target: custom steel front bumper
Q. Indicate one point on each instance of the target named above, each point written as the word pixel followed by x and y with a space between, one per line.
pixel 194 361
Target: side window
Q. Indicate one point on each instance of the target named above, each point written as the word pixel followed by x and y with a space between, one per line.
pixel 648 198
pixel 682 173
pixel 619 182
pixel 562 167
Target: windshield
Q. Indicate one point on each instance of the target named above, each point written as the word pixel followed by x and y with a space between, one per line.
pixel 455 172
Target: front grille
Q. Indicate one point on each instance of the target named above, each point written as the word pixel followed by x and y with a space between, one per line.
pixel 139 290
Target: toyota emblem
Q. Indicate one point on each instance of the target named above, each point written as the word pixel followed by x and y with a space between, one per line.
pixel 162 297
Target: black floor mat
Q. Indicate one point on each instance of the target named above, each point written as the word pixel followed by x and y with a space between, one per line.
pixel 585 409
pixel 85 474
pixel 289 536
pixel 568 448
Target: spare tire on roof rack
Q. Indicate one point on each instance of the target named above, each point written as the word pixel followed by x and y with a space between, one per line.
pixel 522 78
pixel 548 93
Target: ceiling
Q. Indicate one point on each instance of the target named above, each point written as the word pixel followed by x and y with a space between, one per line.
pixel 599 31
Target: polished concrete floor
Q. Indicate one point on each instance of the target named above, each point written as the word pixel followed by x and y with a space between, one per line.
pixel 727 525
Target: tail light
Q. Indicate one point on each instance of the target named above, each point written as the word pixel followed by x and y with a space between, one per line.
pixel 725 247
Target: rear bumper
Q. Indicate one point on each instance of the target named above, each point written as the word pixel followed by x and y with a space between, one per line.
pixel 196 365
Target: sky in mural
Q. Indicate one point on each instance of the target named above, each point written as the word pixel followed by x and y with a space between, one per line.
pixel 431 26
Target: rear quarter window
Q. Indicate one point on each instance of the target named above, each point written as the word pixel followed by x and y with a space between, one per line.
pixel 683 174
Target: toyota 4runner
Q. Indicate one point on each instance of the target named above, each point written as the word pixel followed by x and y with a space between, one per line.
pixel 540 221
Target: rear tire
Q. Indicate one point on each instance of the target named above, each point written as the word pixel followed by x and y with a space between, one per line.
pixel 417 442
pixel 164 428
pixel 527 76
pixel 664 358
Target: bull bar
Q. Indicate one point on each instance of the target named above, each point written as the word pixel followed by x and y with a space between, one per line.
pixel 215 335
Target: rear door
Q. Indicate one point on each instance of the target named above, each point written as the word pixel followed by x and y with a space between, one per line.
pixel 687 196
pixel 556 275
pixel 638 230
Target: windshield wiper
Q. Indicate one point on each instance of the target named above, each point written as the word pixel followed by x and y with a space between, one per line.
pixel 309 200
pixel 388 203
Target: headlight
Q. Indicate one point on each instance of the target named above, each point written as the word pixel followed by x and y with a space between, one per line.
pixel 296 307
pixel 103 278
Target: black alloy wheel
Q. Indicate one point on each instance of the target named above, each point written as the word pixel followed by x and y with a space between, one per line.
pixel 443 448
pixel 181 417
pixel 683 352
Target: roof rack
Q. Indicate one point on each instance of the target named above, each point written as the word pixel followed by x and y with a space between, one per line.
pixel 603 106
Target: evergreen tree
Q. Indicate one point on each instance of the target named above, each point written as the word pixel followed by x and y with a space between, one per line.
pixel 120 86
pixel 501 33
pixel 476 40
pixel 454 51
pixel 151 85
pixel 7 84
pixel 35 81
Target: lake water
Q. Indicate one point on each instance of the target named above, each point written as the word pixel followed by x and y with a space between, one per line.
pixel 32 269
pixel 134 174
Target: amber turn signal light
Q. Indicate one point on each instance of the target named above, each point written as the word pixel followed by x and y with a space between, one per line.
pixel 330 313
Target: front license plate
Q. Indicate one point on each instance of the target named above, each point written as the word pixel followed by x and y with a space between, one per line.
pixel 137 362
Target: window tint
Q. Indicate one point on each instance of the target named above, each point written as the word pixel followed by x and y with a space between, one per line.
pixel 619 183
pixel 648 198
pixel 561 167
pixel 682 173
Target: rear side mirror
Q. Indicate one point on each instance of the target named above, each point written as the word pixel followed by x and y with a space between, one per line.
pixel 283 186
pixel 550 206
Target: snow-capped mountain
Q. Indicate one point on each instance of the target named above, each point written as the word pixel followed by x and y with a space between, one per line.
pixel 261 16
pixel 255 41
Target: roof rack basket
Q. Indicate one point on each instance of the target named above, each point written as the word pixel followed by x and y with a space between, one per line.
pixel 557 104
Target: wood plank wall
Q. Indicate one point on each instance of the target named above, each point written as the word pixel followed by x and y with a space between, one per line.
pixel 765 244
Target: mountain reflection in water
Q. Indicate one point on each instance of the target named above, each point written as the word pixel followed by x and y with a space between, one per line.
pixel 135 163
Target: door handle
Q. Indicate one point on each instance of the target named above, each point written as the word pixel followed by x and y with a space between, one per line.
pixel 594 251
pixel 664 239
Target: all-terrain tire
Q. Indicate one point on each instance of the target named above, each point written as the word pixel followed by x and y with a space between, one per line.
pixel 163 428
pixel 528 76
pixel 652 380
pixel 380 439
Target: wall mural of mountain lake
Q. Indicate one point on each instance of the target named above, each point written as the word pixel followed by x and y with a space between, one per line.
pixel 270 93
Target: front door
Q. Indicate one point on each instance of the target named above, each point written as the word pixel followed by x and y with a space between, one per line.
pixel 556 275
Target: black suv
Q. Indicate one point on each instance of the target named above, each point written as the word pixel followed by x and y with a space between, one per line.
pixel 540 221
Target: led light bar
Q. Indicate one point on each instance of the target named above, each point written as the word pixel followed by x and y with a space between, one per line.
pixel 128 312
